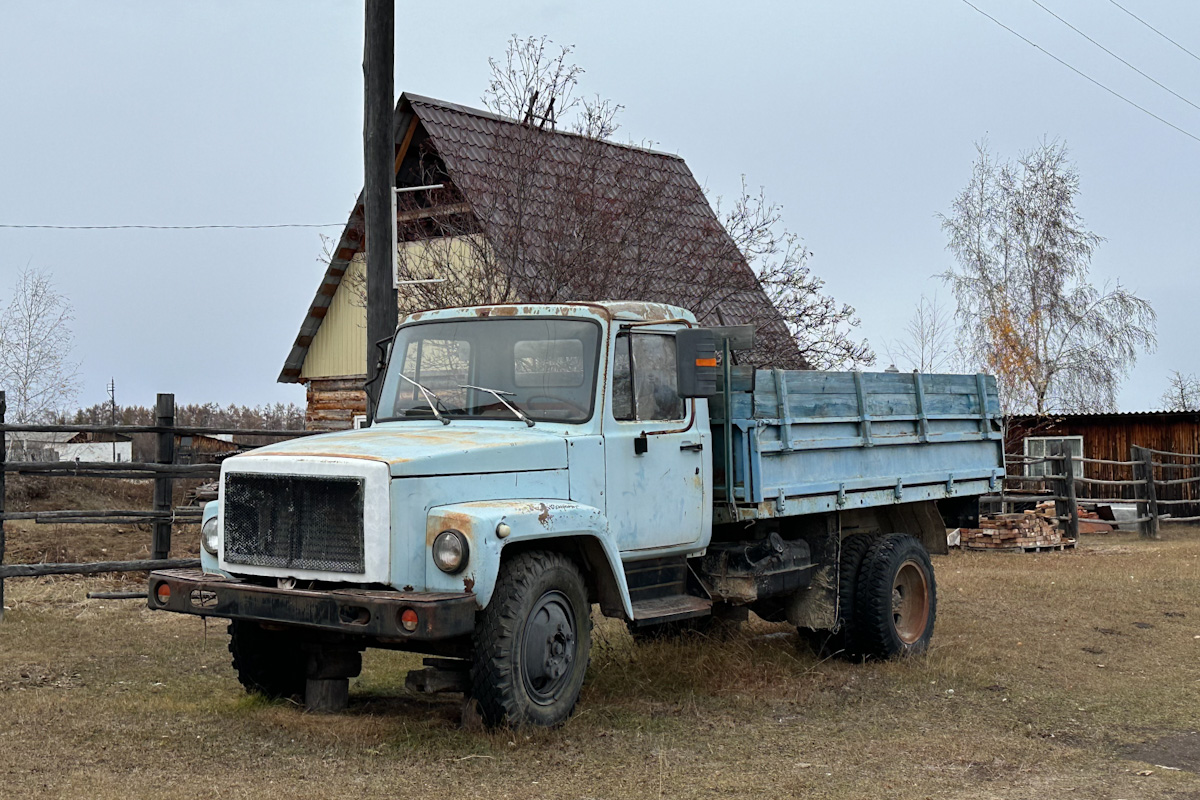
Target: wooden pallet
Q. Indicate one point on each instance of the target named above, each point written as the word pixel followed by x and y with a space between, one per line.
pixel 1005 547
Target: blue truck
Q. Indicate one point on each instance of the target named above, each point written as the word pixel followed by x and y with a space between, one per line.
pixel 529 462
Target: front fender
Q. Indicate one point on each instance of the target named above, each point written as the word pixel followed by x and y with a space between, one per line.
pixel 528 520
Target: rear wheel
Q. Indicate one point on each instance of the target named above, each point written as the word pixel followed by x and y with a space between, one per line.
pixel 842 641
pixel 532 642
pixel 896 602
pixel 267 662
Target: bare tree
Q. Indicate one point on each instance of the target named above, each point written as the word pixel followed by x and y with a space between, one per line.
pixel 533 84
pixel 929 342
pixel 1027 311
pixel 820 325
pixel 36 368
pixel 1182 394
pixel 555 217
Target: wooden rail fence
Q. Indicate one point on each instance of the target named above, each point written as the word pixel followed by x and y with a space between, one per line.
pixel 1149 471
pixel 163 471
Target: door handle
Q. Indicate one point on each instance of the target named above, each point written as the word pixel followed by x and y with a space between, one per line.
pixel 693 446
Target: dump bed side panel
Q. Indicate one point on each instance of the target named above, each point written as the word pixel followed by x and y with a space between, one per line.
pixel 805 442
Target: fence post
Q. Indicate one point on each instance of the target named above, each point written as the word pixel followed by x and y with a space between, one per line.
pixel 1069 491
pixel 3 458
pixel 164 417
pixel 1151 530
pixel 1056 483
pixel 1139 474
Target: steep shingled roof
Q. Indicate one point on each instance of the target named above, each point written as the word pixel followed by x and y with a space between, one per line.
pixel 691 251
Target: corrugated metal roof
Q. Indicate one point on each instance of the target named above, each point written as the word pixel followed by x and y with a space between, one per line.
pixel 686 258
pixel 1102 415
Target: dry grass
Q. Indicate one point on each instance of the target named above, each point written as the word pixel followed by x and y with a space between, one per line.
pixel 1046 669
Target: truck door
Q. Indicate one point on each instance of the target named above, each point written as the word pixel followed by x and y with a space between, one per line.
pixel 657 454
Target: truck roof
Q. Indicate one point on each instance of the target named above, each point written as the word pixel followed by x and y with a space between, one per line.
pixel 608 309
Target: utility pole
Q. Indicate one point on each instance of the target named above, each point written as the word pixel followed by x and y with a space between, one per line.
pixel 112 416
pixel 379 156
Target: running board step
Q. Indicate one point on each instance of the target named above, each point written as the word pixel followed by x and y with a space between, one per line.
pixel 669 609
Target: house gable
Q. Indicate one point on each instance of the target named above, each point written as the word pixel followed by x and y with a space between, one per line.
pixel 687 255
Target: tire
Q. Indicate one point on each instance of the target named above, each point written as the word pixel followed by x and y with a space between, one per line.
pixel 842 640
pixel 267 662
pixel 532 642
pixel 896 602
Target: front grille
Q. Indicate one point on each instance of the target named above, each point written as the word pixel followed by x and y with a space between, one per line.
pixel 294 521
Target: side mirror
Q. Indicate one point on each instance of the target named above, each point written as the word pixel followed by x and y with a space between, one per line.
pixel 696 362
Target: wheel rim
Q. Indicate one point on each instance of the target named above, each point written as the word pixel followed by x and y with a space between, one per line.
pixel 910 602
pixel 548 649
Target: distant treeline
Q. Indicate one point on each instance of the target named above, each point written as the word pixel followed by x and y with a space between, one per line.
pixel 277 416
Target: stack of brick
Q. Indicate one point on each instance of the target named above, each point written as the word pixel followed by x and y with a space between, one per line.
pixel 1035 528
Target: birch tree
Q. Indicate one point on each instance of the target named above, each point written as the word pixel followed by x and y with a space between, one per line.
pixel 36 369
pixel 929 341
pixel 1026 307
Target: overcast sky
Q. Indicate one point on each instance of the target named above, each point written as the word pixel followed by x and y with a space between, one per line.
pixel 860 118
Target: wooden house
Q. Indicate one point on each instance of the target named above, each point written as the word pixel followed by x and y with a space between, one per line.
pixel 455 168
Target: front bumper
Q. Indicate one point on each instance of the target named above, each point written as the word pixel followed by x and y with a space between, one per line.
pixel 364 612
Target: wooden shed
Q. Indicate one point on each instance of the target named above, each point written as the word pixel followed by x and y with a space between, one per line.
pixel 1110 437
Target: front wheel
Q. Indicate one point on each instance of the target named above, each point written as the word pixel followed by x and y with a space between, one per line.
pixel 895 604
pixel 532 643
pixel 267 662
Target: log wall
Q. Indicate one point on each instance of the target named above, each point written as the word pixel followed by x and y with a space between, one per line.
pixel 334 402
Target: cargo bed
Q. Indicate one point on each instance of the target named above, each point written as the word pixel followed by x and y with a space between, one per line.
pixel 803 442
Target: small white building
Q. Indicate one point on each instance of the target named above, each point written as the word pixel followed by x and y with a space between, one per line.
pixel 90 447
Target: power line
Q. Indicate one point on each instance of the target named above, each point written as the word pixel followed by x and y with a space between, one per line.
pixel 1156 30
pixel 1083 75
pixel 173 227
pixel 1114 55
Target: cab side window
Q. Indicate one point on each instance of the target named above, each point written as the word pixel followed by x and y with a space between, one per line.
pixel 644 385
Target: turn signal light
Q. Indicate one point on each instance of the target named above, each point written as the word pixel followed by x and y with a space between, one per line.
pixel 163 593
pixel 408 620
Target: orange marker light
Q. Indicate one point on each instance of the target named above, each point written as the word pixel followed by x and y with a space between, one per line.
pixel 163 593
pixel 706 362
pixel 408 619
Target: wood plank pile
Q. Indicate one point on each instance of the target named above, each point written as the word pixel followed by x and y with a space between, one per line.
pixel 201 494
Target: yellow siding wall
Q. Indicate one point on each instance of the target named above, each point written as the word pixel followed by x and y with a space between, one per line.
pixel 340 347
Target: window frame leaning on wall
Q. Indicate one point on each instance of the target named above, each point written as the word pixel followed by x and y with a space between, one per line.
pixel 1039 469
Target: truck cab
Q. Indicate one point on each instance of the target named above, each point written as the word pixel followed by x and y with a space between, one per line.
pixel 525 463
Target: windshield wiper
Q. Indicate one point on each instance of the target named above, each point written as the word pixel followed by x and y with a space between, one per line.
pixel 428 395
pixel 499 395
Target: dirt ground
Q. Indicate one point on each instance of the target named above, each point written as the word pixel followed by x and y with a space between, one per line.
pixel 1051 675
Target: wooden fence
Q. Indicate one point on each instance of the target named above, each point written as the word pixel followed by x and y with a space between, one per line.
pixel 1149 471
pixel 163 471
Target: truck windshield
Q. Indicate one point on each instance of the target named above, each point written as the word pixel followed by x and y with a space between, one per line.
pixel 547 364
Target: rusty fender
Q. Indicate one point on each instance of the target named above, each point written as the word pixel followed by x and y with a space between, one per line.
pixel 492 525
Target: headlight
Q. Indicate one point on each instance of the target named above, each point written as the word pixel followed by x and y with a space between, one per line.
pixel 208 535
pixel 450 551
